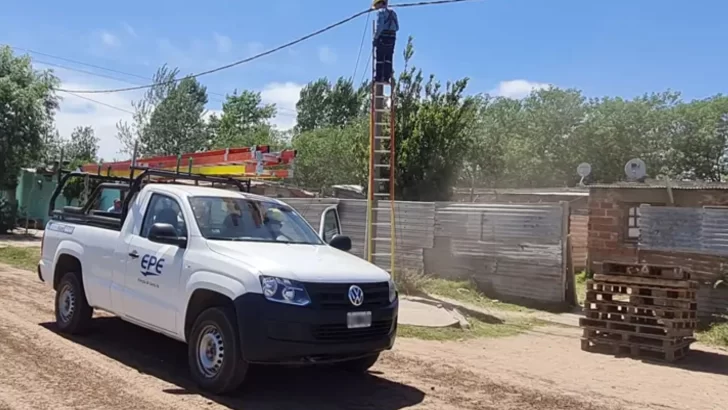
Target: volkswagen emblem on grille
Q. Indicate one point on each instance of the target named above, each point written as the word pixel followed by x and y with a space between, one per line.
pixel 356 295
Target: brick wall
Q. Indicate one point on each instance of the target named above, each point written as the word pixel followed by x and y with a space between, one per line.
pixel 607 226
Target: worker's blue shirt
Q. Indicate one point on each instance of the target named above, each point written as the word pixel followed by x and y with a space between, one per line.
pixel 386 21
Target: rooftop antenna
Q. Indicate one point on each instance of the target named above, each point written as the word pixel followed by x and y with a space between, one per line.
pixel 635 169
pixel 583 170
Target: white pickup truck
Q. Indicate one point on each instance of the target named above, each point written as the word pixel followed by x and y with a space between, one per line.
pixel 242 279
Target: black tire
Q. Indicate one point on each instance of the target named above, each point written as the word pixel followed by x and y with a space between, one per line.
pixel 224 370
pixel 73 314
pixel 360 365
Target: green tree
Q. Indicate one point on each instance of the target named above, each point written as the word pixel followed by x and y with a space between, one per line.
pixel 27 107
pixel 432 133
pixel 331 156
pixel 245 121
pixel 322 104
pixel 177 124
pixel 169 119
pixel 83 145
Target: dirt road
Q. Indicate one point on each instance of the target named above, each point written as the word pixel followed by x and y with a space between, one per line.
pixel 120 366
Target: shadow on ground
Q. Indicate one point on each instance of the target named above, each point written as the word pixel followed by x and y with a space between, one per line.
pixel 695 361
pixel 703 361
pixel 267 387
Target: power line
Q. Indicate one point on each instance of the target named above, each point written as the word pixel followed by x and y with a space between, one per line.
pixel 48 63
pixel 271 51
pixel 361 46
pixel 99 102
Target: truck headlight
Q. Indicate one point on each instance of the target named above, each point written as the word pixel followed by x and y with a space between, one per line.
pixel 284 291
pixel 392 291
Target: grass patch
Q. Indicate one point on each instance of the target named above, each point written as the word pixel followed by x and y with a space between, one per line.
pixel 414 283
pixel 478 329
pixel 20 257
pixel 715 335
pixel 580 286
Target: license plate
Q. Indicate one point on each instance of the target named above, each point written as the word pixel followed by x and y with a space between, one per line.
pixel 358 320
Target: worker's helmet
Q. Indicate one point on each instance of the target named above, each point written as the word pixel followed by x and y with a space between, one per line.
pixel 274 215
pixel 378 3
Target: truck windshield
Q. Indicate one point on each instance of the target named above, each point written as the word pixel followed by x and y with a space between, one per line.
pixel 240 219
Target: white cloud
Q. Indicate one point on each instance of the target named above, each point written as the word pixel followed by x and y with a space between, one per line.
pixel 109 39
pixel 284 96
pixel 326 55
pixel 517 88
pixel 129 29
pixel 224 43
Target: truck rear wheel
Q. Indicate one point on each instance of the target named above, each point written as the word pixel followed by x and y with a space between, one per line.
pixel 360 365
pixel 213 351
pixel 73 314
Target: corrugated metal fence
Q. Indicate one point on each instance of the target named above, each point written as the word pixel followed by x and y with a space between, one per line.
pixel 512 251
pixel 692 230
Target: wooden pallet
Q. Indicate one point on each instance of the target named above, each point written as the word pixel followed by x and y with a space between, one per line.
pixel 642 330
pixel 640 301
pixel 647 282
pixel 637 351
pixel 621 307
pixel 618 317
pixel 645 270
pixel 689 295
pixel 628 337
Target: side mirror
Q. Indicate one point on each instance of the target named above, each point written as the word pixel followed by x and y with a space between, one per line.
pixel 167 234
pixel 341 242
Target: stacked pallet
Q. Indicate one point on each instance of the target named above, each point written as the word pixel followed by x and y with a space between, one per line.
pixel 644 311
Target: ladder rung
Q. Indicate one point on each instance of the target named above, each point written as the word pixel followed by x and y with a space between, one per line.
pixel 382 110
pixel 381 223
pixel 381 151
pixel 382 124
pixel 383 209
pixel 381 179
pixel 381 254
pixel 382 239
pixel 382 138
pixel 379 194
pixel 381 165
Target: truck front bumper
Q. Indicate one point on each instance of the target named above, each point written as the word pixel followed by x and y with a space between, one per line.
pixel 276 333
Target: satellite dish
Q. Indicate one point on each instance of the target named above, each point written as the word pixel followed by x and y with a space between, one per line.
pixel 583 170
pixel 635 169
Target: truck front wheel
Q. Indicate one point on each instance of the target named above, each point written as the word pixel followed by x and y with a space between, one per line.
pixel 73 314
pixel 360 365
pixel 214 354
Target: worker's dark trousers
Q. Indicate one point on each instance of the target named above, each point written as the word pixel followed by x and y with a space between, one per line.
pixel 384 56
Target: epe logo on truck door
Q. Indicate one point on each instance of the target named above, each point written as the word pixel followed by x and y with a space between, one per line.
pixel 151 266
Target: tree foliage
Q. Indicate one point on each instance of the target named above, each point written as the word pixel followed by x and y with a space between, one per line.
pixel 323 104
pixel 245 121
pixel 83 145
pixel 27 107
pixel 169 120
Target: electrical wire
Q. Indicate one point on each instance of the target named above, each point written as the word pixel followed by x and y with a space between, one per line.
pixel 361 46
pixel 48 63
pixel 271 51
pixel 99 102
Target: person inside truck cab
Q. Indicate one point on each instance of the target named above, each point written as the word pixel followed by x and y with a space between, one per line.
pixel 274 223
pixel 116 208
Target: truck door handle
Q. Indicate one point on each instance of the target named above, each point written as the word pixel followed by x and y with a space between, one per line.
pixel 134 254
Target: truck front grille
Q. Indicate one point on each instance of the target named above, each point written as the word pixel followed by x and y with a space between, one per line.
pixel 335 296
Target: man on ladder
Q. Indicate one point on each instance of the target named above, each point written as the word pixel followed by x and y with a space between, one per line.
pixel 385 35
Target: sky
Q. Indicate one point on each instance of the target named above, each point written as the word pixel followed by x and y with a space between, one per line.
pixel 506 47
